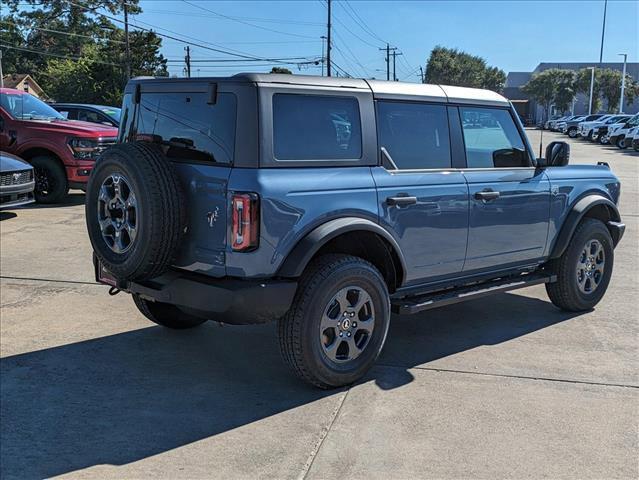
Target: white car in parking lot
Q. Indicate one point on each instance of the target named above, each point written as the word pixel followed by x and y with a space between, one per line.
pixel 600 128
pixel 585 129
pixel 617 135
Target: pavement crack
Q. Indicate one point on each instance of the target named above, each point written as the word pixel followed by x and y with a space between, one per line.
pixel 504 375
pixel 322 437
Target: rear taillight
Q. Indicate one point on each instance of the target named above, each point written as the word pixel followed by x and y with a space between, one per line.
pixel 245 231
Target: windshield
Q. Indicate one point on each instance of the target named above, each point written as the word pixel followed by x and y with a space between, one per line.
pixel 23 106
pixel 112 112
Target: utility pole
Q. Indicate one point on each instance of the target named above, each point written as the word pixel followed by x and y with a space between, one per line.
pixel 421 74
pixel 394 54
pixel 388 51
pixel 1 75
pixel 126 39
pixel 323 37
pixel 187 60
pixel 328 40
pixel 623 81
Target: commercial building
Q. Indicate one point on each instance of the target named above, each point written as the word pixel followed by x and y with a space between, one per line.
pixel 534 113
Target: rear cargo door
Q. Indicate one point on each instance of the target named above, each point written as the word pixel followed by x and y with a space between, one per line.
pixel 196 124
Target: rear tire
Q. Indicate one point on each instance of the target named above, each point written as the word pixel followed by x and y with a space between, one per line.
pixel 51 184
pixel 165 314
pixel 337 325
pixel 621 143
pixel 572 132
pixel 581 281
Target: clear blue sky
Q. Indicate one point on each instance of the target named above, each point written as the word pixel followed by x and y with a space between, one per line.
pixel 512 35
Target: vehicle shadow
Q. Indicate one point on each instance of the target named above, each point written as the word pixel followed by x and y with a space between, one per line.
pixel 125 397
pixel 71 200
pixel 7 215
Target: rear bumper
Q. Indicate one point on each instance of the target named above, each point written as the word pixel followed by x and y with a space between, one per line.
pixel 226 300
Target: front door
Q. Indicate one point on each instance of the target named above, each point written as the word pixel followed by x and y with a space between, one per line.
pixel 509 198
pixel 423 201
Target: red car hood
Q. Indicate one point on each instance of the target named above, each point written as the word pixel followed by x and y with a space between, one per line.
pixel 73 127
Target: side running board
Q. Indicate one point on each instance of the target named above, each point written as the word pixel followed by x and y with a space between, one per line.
pixel 408 305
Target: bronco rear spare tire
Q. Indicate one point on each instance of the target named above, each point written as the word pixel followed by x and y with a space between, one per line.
pixel 134 211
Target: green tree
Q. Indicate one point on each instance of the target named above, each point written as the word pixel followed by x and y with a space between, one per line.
pixel 449 66
pixel 281 70
pixel 565 90
pixel 611 88
pixel 95 47
pixel 542 87
pixel 582 85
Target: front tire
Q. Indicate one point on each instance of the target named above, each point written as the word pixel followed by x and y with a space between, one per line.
pixel 165 314
pixel 572 132
pixel 51 184
pixel 338 323
pixel 584 269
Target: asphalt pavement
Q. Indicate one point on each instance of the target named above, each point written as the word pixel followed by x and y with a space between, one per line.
pixel 500 387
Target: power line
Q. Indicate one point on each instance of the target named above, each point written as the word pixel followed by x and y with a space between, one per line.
pixel 68 57
pixel 254 19
pixel 31 27
pixel 353 56
pixel 359 21
pixel 323 2
pixel 234 19
pixel 164 35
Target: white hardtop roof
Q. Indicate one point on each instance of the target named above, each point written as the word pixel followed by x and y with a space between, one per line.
pixel 436 93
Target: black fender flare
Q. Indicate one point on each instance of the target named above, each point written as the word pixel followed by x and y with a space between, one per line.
pixel 578 211
pixel 297 259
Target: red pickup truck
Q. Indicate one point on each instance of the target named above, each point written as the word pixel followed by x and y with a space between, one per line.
pixel 61 151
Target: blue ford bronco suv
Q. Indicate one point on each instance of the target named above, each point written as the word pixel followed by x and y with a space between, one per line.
pixel 328 203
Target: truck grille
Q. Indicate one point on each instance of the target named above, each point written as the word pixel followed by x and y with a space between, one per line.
pixel 16 178
pixel 104 143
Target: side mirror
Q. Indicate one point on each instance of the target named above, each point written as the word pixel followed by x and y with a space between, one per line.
pixel 557 155
pixel 1 124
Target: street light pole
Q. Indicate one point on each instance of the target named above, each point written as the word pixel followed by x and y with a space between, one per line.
pixel 623 81
pixel 592 87
pixel 323 37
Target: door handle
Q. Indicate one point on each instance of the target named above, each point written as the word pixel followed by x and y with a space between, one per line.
pixel 487 195
pixel 400 201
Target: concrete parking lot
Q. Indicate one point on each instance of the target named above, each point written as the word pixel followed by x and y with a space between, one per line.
pixel 500 387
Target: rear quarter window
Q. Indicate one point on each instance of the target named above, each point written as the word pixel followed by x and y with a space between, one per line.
pixel 192 129
pixel 316 127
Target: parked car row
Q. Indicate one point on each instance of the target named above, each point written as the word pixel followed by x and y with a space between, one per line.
pixel 621 130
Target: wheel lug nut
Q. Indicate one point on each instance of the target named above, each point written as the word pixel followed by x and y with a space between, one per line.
pixel 354 324
pixel 341 334
pixel 348 334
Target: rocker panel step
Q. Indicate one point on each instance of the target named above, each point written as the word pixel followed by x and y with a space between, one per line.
pixel 419 303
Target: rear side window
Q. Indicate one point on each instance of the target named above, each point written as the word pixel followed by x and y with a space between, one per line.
pixel 492 139
pixel 415 135
pixel 188 125
pixel 316 127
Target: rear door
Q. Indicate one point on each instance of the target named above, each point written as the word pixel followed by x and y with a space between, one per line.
pixel 198 136
pixel 424 200
pixel 509 197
